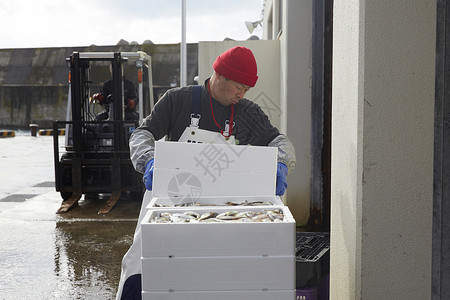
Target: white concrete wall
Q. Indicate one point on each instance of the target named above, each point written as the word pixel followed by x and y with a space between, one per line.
pixel 296 100
pixel 347 122
pixel 295 91
pixel 271 19
pixel 382 149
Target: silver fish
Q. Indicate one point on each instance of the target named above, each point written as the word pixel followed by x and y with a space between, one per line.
pixel 228 216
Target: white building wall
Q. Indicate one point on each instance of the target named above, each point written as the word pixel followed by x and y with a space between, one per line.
pixel 347 122
pixel 382 149
pixel 296 100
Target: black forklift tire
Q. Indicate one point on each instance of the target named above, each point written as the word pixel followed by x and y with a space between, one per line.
pixel 92 196
pixel 138 196
pixel 65 195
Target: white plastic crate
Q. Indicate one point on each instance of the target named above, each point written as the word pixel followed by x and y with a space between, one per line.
pixel 218 273
pixel 220 295
pixel 216 260
pixel 201 170
pixel 218 239
pixel 184 203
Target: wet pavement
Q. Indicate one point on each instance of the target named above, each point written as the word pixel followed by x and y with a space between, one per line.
pixel 44 255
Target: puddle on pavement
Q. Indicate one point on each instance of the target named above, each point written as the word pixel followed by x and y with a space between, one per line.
pixel 88 256
pixel 76 255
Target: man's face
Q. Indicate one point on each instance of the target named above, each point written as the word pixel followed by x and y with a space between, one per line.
pixel 229 92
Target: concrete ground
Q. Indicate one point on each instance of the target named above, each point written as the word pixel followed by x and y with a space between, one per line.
pixel 76 255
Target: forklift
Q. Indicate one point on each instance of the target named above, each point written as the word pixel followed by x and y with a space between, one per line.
pixel 96 157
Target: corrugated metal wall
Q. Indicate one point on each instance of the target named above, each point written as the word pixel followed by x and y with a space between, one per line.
pixel 34 81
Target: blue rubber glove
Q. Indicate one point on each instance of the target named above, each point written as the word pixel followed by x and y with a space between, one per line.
pixel 148 174
pixel 282 172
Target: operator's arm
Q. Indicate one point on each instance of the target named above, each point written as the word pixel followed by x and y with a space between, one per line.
pixel 142 148
pixel 154 127
pixel 130 94
pixel 107 89
pixel 286 151
pixel 157 125
pixel 286 161
pixel 254 128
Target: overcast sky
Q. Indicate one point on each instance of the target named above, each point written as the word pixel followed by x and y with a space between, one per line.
pixel 65 23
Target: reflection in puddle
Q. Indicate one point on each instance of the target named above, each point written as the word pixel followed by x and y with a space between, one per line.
pixel 72 256
pixel 87 257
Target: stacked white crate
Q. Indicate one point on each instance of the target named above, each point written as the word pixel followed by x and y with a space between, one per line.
pixel 216 260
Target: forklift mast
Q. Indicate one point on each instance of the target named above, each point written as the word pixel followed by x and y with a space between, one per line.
pixel 80 92
pixel 97 158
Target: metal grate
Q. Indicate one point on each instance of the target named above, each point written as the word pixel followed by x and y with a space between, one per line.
pixel 311 246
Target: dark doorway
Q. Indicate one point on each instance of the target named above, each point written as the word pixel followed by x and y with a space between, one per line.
pixel 441 204
pixel 322 41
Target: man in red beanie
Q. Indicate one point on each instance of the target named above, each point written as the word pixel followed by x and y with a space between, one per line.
pixel 217 110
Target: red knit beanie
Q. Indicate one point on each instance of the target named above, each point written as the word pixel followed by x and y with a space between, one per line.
pixel 237 64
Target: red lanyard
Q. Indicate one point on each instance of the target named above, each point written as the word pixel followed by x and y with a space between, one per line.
pixel 230 130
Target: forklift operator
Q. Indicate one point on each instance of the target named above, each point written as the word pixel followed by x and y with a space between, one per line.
pixel 129 96
pixel 218 112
